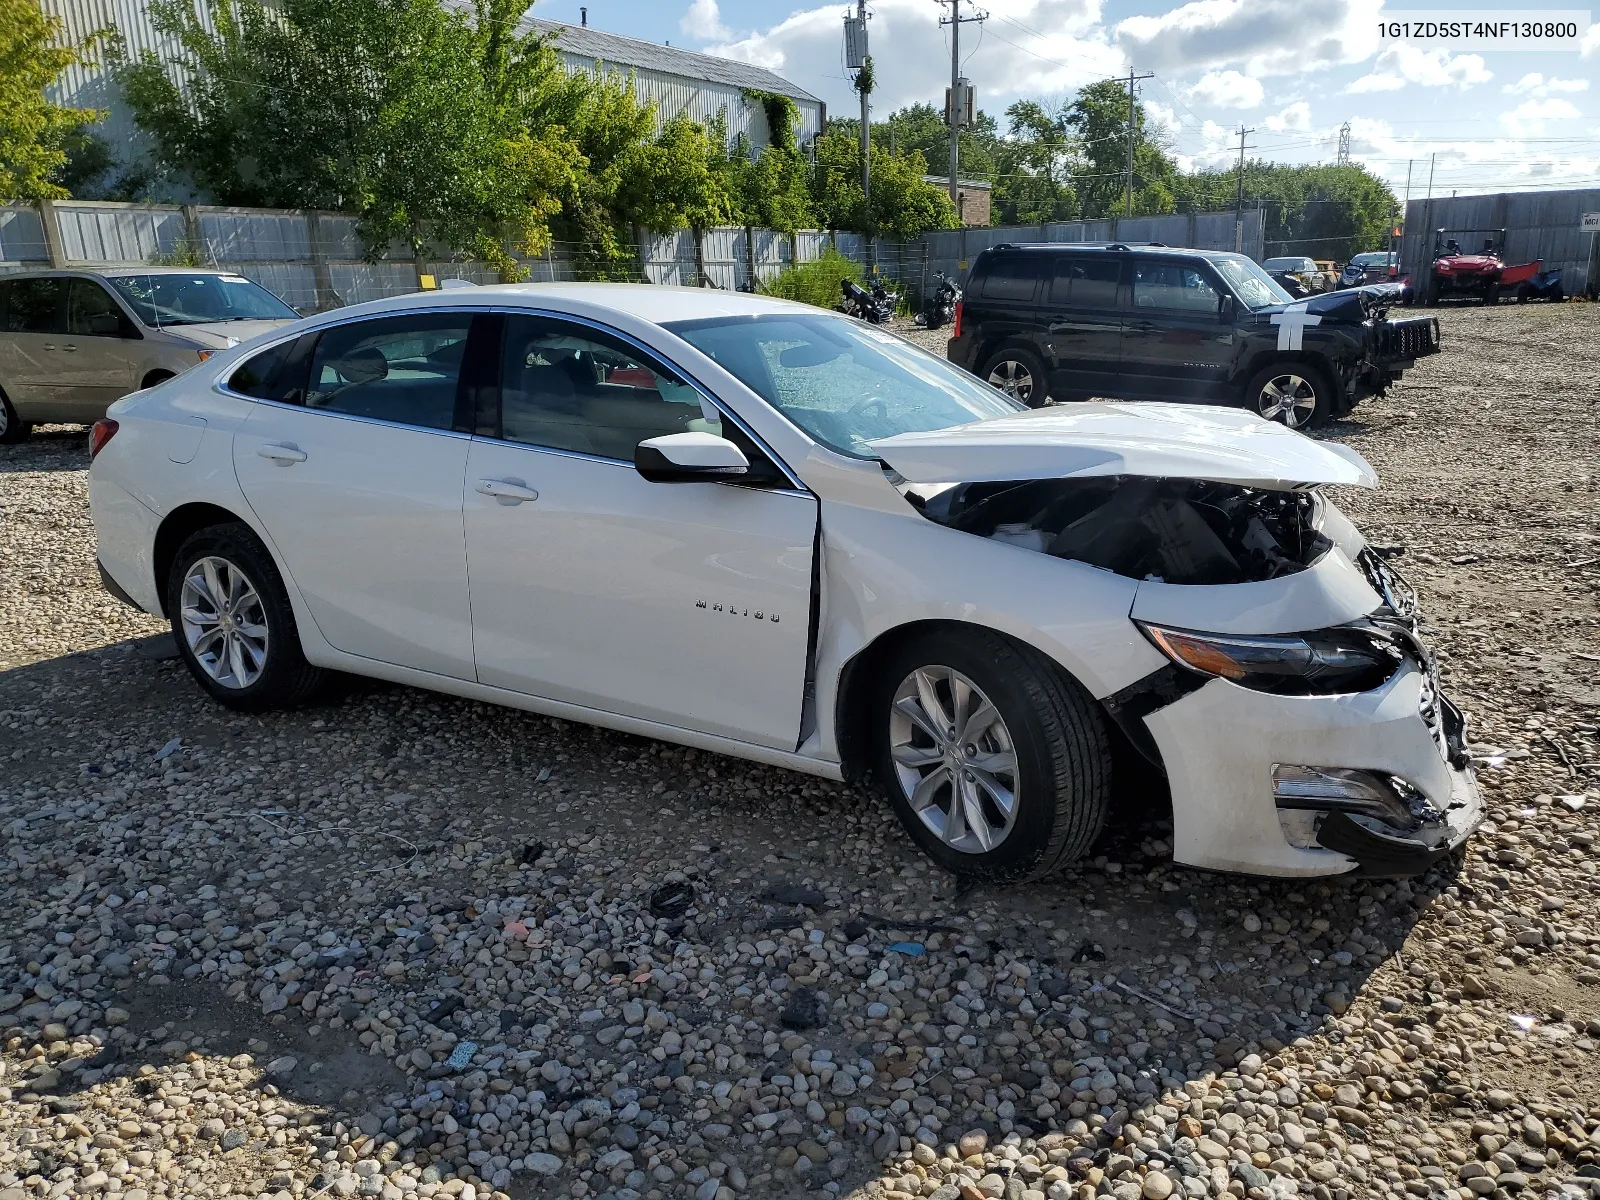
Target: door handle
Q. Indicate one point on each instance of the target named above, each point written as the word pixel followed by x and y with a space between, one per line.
pixel 74 349
pixel 506 491
pixel 282 455
pixel 1143 327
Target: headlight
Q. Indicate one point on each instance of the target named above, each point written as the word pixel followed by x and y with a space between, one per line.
pixel 1343 659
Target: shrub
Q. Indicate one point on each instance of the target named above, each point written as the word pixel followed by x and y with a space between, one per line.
pixel 816 282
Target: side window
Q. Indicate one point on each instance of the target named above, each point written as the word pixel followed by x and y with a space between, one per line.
pixel 401 369
pixel 1085 282
pixel 35 306
pixel 1012 277
pixel 91 312
pixel 1172 286
pixel 568 387
pixel 276 374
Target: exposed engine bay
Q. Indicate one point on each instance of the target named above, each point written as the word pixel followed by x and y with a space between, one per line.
pixel 1180 531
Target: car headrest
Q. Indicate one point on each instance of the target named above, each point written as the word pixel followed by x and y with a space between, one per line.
pixel 364 365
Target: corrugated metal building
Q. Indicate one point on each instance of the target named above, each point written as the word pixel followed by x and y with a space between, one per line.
pixel 683 83
pixel 698 86
pixel 1542 225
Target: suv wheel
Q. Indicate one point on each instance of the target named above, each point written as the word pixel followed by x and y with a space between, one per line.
pixel 233 624
pixel 996 762
pixel 1018 373
pixel 12 428
pixel 1294 393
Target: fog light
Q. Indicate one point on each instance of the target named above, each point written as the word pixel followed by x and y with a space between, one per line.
pixel 1367 793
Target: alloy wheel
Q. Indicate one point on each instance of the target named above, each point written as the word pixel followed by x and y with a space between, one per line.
pixel 1014 379
pixel 954 759
pixel 224 622
pixel 1288 398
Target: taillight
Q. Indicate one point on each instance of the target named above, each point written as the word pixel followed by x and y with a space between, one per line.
pixel 100 435
pixel 955 329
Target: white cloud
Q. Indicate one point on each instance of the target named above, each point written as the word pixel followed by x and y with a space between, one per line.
pixel 1228 89
pixel 1027 48
pixel 1535 84
pixel 1263 37
pixel 1591 41
pixel 702 21
pixel 1399 65
pixel 1530 116
pixel 1293 118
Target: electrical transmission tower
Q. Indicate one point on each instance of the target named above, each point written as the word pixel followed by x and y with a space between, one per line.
pixel 1343 158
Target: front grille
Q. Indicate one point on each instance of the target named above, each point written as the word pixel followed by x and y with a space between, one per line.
pixel 1409 337
pixel 1398 594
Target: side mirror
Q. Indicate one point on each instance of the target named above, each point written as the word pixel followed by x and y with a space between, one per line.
pixel 689 458
pixel 104 325
pixel 1225 309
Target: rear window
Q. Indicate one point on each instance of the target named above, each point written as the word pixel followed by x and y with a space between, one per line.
pixel 34 305
pixel 276 374
pixel 1011 277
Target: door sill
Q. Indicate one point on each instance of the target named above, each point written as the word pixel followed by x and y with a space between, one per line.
pixel 470 690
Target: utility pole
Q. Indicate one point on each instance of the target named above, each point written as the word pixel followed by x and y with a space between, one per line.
pixel 957 107
pixel 1128 190
pixel 1342 159
pixel 866 110
pixel 856 58
pixel 1238 204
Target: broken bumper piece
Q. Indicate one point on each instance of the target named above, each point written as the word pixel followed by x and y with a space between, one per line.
pixel 1395 793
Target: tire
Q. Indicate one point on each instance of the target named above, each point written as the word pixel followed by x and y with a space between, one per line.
pixel 1060 756
pixel 13 429
pixel 1491 295
pixel 1312 391
pixel 275 673
pixel 1015 371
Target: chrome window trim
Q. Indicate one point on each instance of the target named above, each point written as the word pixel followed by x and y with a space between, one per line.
pixel 220 383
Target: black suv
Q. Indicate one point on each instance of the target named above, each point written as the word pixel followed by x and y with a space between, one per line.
pixel 1155 323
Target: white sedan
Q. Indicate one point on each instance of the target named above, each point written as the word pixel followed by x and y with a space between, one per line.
pixel 777 533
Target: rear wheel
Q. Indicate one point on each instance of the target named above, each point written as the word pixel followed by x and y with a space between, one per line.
pixel 1297 394
pixel 1019 373
pixel 997 763
pixel 12 428
pixel 233 624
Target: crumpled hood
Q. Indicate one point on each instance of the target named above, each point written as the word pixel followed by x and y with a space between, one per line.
pixel 1351 304
pixel 219 335
pixel 1174 441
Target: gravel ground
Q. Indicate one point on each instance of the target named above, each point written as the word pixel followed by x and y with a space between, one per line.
pixel 402 945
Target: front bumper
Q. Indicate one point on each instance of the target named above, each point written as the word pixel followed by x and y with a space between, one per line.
pixel 1219 746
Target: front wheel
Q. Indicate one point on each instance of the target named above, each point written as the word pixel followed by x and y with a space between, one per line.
pixel 233 624
pixel 1019 373
pixel 12 428
pixel 996 762
pixel 1297 394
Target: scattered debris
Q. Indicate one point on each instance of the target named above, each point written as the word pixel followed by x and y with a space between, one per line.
pixel 169 749
pixel 671 899
pixel 442 1009
pixel 461 1055
pixel 1089 952
pixel 793 893
pixel 532 853
pixel 911 949
pixel 804 1010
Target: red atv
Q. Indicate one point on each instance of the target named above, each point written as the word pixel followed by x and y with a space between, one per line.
pixel 1459 274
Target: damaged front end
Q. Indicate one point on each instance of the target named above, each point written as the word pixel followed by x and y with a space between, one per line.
pixel 1182 531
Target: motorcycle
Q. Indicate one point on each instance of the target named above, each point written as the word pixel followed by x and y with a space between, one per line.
pixel 941 306
pixel 876 306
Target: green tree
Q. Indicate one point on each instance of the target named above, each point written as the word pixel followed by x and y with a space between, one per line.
pixel 411 114
pixel 903 204
pixel 34 133
pixel 773 189
pixel 1098 117
pixel 1322 211
pixel 674 181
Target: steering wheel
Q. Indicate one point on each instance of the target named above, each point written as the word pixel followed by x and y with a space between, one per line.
pixel 861 409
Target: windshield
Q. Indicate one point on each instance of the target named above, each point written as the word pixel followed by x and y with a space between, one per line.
pixel 1254 287
pixel 1288 264
pixel 1373 259
pixel 843 382
pixel 181 299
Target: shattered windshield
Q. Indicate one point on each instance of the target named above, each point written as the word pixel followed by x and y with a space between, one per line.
pixel 1254 287
pixel 843 382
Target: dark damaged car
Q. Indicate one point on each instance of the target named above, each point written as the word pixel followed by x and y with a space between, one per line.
pixel 1067 322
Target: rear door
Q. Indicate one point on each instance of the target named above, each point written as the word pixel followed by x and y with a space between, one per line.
pixel 354 469
pixel 1175 343
pixel 30 361
pixel 1083 338
pixel 1007 304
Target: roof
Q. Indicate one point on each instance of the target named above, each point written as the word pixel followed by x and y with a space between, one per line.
pixel 634 52
pixel 980 184
pixel 106 272
pixel 1152 247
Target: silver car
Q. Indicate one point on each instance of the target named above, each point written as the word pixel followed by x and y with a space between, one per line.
pixel 71 342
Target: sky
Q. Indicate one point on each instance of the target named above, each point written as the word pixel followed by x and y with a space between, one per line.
pixel 1294 71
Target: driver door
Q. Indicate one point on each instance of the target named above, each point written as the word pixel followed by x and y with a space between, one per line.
pixel 686 604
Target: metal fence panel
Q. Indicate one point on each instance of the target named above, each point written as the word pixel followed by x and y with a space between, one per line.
pixel 117 233
pixel 242 235
pixel 22 241
pixel 1538 225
